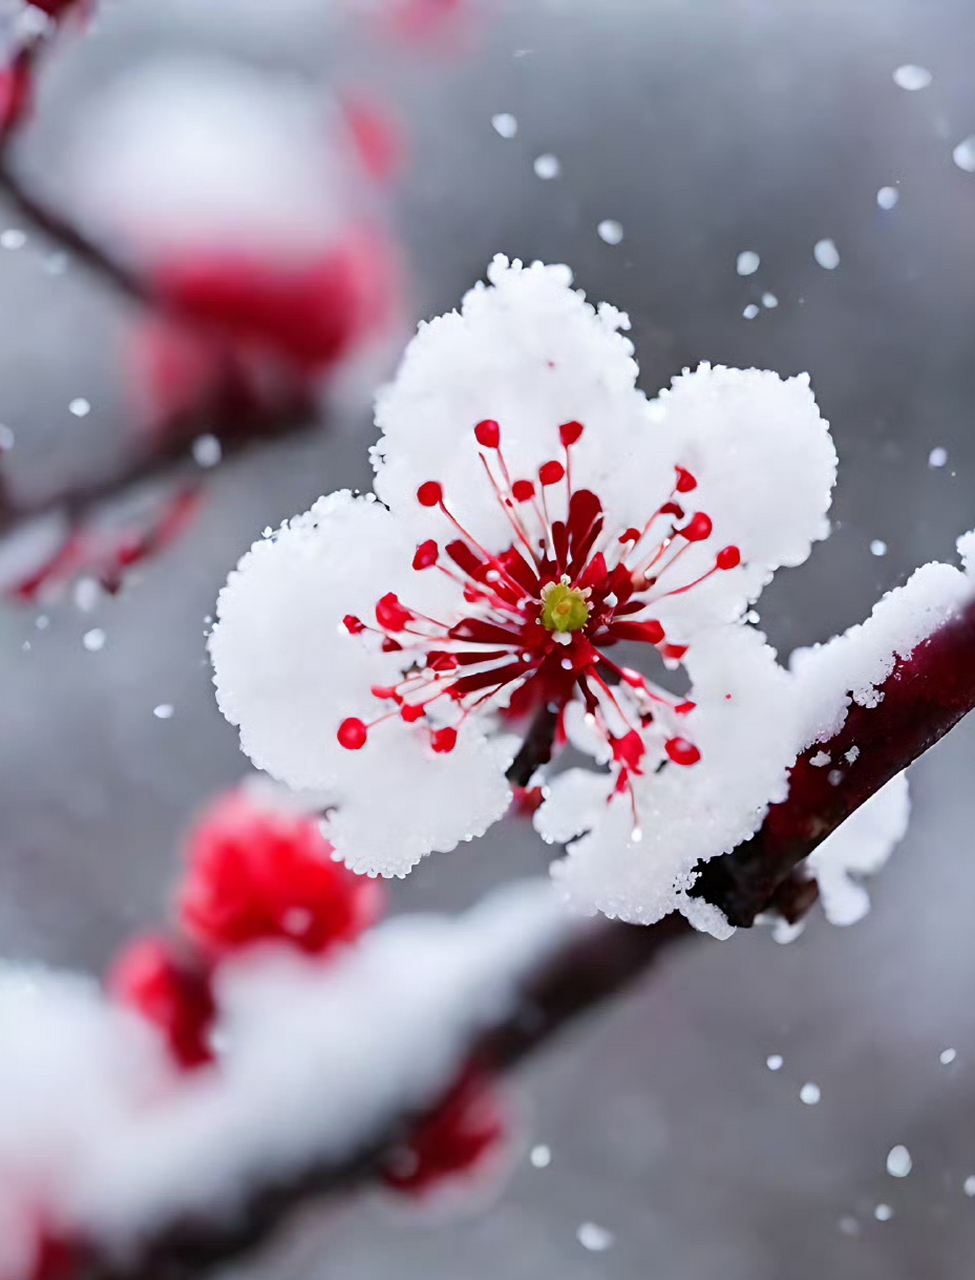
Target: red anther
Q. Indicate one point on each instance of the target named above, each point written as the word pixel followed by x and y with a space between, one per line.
pixel 685 481
pixel 488 433
pixel 681 751
pixel 444 740
pixel 674 652
pixel 412 713
pixel 256 871
pixel 389 645
pixel 630 535
pixel 569 432
pixel 683 708
pixel 729 558
pixel 551 472
pixel 390 614
pixel 671 509
pixel 385 692
pixel 353 624
pixel 430 494
pixel 352 734
pixel 629 750
pixel 697 528
pixel 523 491
pixel 426 555
pixel 171 992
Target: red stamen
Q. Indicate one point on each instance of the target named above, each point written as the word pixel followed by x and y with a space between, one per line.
pixel 729 558
pixel 353 625
pixel 569 432
pixel 427 554
pixel 551 472
pixel 443 740
pixel 698 528
pixel 681 751
pixel 488 433
pixel 685 481
pixel 523 491
pixel 430 494
pixel 352 734
pixel 413 713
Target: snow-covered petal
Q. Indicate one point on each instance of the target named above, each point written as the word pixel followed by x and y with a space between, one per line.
pixel 860 847
pixel 528 352
pixel 746 730
pixel 288 673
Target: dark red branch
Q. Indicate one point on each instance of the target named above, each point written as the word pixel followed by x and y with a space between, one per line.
pixel 925 696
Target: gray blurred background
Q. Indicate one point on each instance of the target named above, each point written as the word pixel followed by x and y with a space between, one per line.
pixel 705 128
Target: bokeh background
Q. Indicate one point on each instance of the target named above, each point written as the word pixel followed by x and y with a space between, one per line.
pixel 704 128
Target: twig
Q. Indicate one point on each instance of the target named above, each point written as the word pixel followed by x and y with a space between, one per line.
pixel 923 698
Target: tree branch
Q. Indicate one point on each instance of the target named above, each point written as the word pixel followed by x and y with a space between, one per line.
pixel 923 698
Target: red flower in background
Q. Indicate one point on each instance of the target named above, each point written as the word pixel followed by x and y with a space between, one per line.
pixel 255 873
pixel 171 991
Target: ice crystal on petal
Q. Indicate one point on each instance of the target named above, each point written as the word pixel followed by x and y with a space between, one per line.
pixel 537 511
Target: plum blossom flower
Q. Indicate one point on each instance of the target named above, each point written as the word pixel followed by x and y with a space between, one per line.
pixel 545 546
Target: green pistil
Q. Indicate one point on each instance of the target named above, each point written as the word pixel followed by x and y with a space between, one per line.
pixel 564 608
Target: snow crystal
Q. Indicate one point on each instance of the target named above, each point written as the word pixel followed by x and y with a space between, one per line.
pixel 94 639
pixel 878 547
pixel 13 238
pixel 820 760
pixel 769 300
pixel 547 167
pixel 937 457
pixel 610 231
pixel 912 77
pixel 315 1060
pixel 164 711
pixel 947 1056
pixel 80 407
pixel 883 1213
pixel 747 263
pixel 887 197
pixel 964 154
pixel 751 311
pixel 826 254
pixel 899 1162
pixel 775 1062
pixel 594 1237
pixel 207 451
pixel 810 1094
pixel 969 1185
pixel 540 1156
pixel 504 124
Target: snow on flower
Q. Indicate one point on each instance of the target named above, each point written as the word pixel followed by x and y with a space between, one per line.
pixel 537 526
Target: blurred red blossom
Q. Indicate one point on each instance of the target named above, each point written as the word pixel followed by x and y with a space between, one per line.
pixel 170 990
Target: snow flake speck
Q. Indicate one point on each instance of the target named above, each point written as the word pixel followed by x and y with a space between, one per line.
pixel 94 639
pixel 750 312
pixel 826 254
pixel 769 300
pixel 207 451
pixel 547 167
pixel 849 1225
pixel 912 77
pixel 775 1062
pixel 947 1056
pixel 80 407
pixel 594 1237
pixel 810 1093
pixel 899 1162
pixel 164 711
pixel 878 547
pixel 937 457
pixel 504 124
pixel 610 231
pixel 883 1213
pixel 748 262
pixel 13 238
pixel 964 154
pixel 540 1156
pixel 6 437
pixel 968 1186
pixel 887 197
pixel 820 760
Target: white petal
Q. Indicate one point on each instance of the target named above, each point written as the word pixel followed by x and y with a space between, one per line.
pixel 765 466
pixel 860 846
pixel 529 352
pixel 746 729
pixel 288 673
